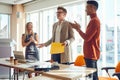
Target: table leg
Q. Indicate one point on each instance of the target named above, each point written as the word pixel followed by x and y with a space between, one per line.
pixel 10 74
pixel 16 73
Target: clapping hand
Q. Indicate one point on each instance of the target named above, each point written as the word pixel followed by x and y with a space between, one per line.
pixel 32 39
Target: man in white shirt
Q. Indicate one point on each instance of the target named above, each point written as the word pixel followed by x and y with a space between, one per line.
pixel 63 33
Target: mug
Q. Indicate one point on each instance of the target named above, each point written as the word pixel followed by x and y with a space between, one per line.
pixel 11 59
pixel 15 61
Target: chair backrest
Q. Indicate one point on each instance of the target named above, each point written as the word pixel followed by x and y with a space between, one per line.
pixel 79 61
pixel 117 69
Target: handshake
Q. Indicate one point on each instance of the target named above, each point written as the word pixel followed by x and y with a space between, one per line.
pixel 43 44
pixel 40 45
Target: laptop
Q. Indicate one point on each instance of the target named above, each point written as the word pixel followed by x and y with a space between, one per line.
pixel 21 58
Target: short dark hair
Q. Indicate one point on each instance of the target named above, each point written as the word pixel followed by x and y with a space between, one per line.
pixel 93 2
pixel 64 10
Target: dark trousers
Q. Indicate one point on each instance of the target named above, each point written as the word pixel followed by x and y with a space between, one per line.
pixel 56 58
pixel 92 64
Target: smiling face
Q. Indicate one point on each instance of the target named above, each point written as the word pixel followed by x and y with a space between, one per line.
pixel 90 9
pixel 29 26
pixel 61 14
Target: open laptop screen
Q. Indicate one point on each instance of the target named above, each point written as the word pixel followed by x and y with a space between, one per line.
pixel 21 58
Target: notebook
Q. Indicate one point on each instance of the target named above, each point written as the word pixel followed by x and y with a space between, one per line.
pixel 20 56
pixel 56 48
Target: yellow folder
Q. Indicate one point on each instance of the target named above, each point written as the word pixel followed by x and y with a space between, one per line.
pixel 56 48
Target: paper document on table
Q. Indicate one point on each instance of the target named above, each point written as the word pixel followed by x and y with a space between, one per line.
pixel 56 48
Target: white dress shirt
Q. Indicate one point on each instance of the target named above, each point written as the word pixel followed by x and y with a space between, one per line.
pixel 57 33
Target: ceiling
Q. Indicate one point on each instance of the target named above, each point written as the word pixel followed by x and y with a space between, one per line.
pixel 15 1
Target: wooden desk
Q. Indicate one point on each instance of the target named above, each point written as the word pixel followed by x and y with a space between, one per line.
pixel 69 72
pixel 66 72
pixel 24 66
pixel 4 62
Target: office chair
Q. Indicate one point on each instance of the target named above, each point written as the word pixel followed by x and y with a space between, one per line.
pixel 117 72
pixel 79 61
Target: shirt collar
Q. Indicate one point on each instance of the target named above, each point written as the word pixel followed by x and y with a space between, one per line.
pixel 61 22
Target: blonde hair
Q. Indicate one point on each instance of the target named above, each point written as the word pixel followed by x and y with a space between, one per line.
pixel 26 31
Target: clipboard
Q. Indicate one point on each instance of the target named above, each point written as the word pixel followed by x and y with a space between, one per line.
pixel 57 48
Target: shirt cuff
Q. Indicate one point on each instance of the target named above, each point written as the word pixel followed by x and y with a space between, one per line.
pixel 68 42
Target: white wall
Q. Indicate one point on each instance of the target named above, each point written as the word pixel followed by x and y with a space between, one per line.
pixel 5 8
pixel 45 4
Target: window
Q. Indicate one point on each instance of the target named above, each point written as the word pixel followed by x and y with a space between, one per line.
pixel 118 27
pixel 108 13
pixel 34 18
pixel 4 26
pixel 109 32
pixel 47 19
pixel 79 17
